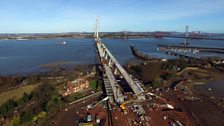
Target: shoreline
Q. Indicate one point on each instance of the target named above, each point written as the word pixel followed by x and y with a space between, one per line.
pixel 12 81
pixel 49 67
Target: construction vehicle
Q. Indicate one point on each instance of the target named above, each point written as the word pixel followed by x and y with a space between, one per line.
pixel 123 106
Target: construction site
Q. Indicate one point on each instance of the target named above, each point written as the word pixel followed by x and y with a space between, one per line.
pixel 125 101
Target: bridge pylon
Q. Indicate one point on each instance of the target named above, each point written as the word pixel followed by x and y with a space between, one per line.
pixel 186 41
pixel 96 34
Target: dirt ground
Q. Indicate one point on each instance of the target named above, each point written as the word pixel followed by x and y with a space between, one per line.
pixel 207 114
pixel 71 117
pixel 203 113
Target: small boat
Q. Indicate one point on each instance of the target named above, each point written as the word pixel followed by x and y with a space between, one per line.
pixel 61 43
pixel 20 39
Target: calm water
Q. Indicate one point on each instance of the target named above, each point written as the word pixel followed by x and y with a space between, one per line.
pixel 216 87
pixel 26 56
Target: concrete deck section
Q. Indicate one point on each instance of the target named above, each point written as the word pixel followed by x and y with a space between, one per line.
pixel 111 86
pixel 108 87
pixel 118 96
pixel 135 87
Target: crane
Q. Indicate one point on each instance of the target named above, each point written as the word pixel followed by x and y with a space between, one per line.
pixel 104 99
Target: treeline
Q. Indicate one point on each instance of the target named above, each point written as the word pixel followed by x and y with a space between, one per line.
pixel 202 63
pixel 8 108
pixel 30 108
pixel 10 81
pixel 153 73
pixel 44 101
pixel 146 72
pixel 174 64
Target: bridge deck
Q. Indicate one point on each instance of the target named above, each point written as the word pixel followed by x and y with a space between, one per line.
pixel 118 96
pixel 112 88
pixel 135 87
pixel 108 87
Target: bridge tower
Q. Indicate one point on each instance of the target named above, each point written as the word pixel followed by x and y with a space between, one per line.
pixel 186 41
pixel 125 34
pixel 96 34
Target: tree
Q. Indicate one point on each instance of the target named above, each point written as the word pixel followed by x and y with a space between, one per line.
pixel 46 107
pixel 3 110
pixel 20 102
pixel 150 71
pixel 27 116
pixel 167 76
pixel 11 105
pixel 25 97
pixel 7 107
pixel 156 83
pixel 16 121
pixel 99 86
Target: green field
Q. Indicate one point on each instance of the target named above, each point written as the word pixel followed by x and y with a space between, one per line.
pixel 95 84
pixel 16 94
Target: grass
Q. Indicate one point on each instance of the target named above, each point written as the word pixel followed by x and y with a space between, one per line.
pixel 74 97
pixel 201 74
pixel 93 84
pixel 196 72
pixel 16 94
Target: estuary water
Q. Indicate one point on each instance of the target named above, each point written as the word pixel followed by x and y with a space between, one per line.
pixel 27 56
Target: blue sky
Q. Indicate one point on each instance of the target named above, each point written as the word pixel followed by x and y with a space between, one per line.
pixel 20 16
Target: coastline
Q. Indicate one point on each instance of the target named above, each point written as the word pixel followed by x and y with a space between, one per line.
pixel 45 68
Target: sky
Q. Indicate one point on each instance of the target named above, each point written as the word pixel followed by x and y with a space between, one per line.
pixel 50 16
